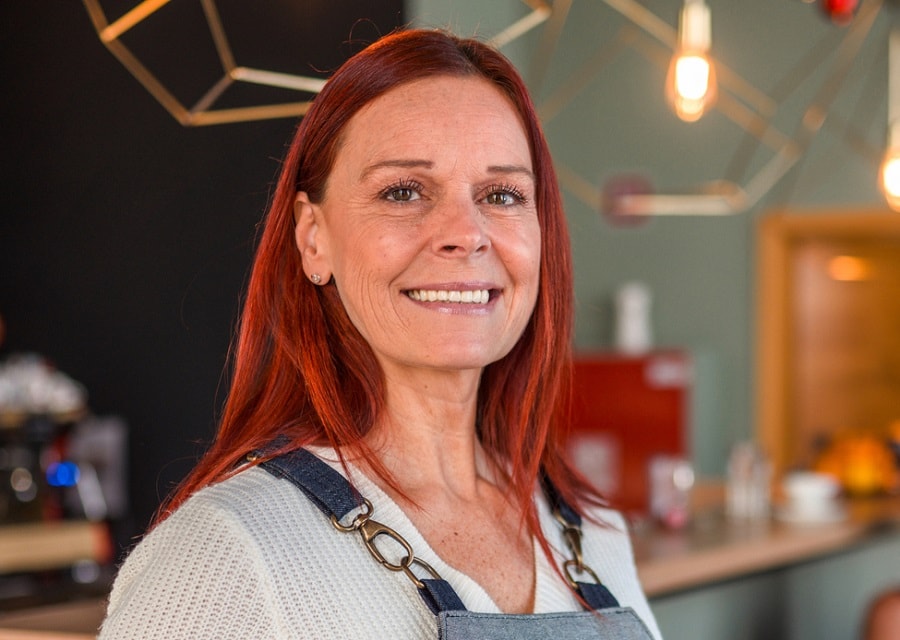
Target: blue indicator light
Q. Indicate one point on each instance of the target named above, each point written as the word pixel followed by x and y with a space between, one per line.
pixel 62 474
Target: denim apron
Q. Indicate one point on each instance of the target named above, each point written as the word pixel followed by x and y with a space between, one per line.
pixel 337 499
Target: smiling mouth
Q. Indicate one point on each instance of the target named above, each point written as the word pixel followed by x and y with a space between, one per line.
pixel 468 296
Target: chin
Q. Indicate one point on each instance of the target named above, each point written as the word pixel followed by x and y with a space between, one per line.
pixel 468 361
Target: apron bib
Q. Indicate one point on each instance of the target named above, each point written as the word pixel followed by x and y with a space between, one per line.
pixel 337 498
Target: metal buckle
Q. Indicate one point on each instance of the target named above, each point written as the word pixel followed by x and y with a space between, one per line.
pixel 572 535
pixel 370 529
pixel 358 520
pixel 579 568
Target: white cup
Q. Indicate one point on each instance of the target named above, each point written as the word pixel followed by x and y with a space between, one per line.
pixel 810 494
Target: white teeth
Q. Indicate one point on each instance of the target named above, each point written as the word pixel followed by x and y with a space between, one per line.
pixel 478 296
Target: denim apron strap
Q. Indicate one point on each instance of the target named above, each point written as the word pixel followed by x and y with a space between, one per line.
pixel 594 593
pixel 440 596
pixel 336 498
pixel 325 487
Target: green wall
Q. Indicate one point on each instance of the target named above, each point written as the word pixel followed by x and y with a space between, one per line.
pixel 700 269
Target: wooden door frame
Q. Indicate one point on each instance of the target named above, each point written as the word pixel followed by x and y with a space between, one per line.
pixel 778 233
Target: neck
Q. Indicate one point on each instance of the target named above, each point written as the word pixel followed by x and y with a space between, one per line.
pixel 427 438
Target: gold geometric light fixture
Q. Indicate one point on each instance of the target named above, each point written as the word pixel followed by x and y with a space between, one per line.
pixel 742 103
pixel 203 112
pixel 200 113
pixel 540 11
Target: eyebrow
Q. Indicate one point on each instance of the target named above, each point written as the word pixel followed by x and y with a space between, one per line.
pixel 511 168
pixel 427 164
pixel 403 164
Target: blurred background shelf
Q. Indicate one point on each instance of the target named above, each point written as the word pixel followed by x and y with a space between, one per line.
pixel 39 546
pixel 69 621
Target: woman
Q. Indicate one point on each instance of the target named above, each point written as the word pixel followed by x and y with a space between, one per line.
pixel 407 323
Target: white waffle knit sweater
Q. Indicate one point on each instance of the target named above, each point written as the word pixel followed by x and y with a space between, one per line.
pixel 252 557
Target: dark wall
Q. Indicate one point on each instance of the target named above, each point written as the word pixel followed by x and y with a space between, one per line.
pixel 125 238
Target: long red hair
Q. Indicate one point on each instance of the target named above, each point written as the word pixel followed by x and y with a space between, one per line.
pixel 300 367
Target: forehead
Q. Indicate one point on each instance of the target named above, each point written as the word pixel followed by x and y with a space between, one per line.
pixel 425 116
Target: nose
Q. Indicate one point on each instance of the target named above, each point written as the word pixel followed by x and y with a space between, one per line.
pixel 460 229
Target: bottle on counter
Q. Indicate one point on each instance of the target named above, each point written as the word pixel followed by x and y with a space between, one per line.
pixel 749 486
pixel 633 331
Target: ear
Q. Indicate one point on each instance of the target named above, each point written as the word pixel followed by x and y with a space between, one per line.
pixel 311 238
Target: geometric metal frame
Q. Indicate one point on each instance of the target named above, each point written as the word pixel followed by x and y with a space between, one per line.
pixel 201 113
pixel 750 108
pixel 753 111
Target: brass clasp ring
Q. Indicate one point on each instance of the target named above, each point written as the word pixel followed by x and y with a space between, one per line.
pixel 568 565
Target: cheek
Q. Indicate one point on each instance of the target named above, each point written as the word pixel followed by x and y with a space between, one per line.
pixel 521 256
pixel 532 260
pixel 529 254
pixel 363 275
pixel 352 250
pixel 370 260
pixel 362 308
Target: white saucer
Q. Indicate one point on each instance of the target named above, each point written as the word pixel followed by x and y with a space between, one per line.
pixel 827 514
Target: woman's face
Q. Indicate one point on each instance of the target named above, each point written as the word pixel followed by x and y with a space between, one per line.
pixel 429 226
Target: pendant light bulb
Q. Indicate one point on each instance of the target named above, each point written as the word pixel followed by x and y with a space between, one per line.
pixel 889 174
pixel 691 81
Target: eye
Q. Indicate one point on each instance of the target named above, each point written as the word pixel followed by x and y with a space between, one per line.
pixel 500 198
pixel 504 195
pixel 403 191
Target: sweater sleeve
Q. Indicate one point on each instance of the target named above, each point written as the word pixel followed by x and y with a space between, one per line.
pixel 609 547
pixel 197 575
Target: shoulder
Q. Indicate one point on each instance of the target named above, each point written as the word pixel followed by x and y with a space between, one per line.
pixel 265 556
pixel 240 516
pixel 207 551
pixel 607 543
pixel 246 498
pixel 607 526
pixel 608 551
pixel 236 510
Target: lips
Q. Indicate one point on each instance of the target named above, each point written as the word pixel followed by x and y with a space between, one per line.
pixel 463 296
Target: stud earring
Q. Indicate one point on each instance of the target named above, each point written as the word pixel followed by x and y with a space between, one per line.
pixel 316 278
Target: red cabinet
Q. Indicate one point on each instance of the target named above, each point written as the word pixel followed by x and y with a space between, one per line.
pixel 626 410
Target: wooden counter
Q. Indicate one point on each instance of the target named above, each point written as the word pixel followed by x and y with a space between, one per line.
pixel 715 548
pixel 41 546
pixel 712 550
pixel 70 621
pixel 36 546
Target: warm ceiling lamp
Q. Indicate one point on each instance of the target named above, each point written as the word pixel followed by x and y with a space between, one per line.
pixel 691 82
pixel 889 175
